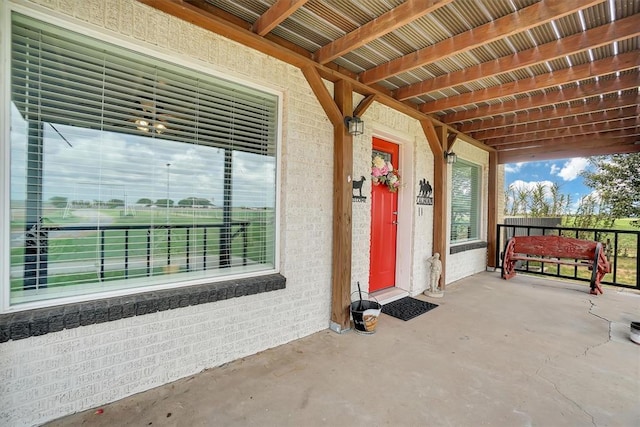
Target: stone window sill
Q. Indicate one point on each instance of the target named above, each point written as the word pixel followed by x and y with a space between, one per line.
pixel 42 321
pixel 467 247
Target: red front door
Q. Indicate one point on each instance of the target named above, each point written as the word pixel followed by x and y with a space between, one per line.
pixel 384 217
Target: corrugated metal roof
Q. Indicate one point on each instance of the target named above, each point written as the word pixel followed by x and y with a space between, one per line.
pixel 318 23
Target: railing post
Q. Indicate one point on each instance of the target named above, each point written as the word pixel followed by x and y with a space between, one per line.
pixel 126 253
pixel 102 255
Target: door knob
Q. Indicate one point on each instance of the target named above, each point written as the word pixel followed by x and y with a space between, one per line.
pixel 395 223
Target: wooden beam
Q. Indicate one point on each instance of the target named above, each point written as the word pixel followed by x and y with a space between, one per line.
pixel 591 39
pixel 203 18
pixel 585 148
pixel 535 15
pixel 277 13
pixel 569 131
pixel 593 104
pixel 603 86
pixel 364 105
pixel 556 123
pixel 397 17
pixel 342 212
pixel 437 138
pixel 619 63
pixel 324 97
pixel 494 192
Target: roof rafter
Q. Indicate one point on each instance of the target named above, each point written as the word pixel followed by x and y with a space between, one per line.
pixel 576 43
pixel 557 123
pixel 527 18
pixel 559 111
pixel 583 146
pixel 597 130
pixel 397 17
pixel 277 13
pixel 612 64
pixel 603 86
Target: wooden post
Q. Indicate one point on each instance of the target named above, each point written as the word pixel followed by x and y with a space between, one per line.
pixel 492 209
pixel 342 211
pixel 437 139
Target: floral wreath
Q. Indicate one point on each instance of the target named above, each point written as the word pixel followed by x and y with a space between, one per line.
pixel 383 173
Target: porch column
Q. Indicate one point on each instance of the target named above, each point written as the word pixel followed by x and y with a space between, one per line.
pixel 342 210
pixel 337 109
pixel 437 139
pixel 492 209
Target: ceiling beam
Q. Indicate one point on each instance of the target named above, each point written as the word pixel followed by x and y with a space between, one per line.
pixel 364 105
pixel 602 67
pixel 618 129
pixel 557 123
pixel 574 149
pixel 322 94
pixel 242 34
pixel 592 105
pixel 397 17
pixel 517 22
pixel 277 13
pixel 603 86
pixel 570 45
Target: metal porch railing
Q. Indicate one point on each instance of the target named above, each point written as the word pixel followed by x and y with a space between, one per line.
pixel 621 247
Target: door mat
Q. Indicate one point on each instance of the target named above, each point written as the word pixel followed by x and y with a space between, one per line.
pixel 407 308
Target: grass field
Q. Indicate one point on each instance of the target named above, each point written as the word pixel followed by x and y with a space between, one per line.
pixel 87 249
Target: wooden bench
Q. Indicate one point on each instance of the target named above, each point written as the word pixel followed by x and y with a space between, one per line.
pixel 557 250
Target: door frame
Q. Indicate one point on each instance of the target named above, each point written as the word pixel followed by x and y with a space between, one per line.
pixel 404 238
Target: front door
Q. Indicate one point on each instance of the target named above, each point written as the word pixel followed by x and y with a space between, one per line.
pixel 384 220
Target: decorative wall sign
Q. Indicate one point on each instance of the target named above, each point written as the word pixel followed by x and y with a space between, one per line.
pixel 425 192
pixel 357 185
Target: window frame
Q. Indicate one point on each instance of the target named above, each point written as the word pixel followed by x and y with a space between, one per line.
pixel 144 49
pixel 478 169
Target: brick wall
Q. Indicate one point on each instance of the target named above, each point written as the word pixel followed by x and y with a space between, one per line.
pixel 473 261
pixel 48 376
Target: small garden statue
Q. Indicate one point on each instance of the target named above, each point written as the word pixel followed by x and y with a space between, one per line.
pixel 434 277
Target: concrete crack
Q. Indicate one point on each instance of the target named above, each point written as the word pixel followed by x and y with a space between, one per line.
pixel 555 387
pixel 609 323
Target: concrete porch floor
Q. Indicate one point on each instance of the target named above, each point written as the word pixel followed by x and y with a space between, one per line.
pixel 528 351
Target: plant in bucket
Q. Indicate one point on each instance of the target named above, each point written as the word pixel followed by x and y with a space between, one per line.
pixel 365 312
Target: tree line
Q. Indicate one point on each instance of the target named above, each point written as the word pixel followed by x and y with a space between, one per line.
pixel 189 202
pixel 615 181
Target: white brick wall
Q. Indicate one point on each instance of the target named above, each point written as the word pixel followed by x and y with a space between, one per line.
pixel 466 263
pixel 60 373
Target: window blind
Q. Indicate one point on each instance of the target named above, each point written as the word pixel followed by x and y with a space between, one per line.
pixel 465 202
pixel 129 171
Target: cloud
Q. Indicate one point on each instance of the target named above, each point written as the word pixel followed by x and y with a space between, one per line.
pixel 96 165
pixel 513 167
pixel 571 169
pixel 554 169
pixel 530 185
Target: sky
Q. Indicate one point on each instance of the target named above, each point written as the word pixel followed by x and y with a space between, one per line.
pixel 564 172
pixel 85 164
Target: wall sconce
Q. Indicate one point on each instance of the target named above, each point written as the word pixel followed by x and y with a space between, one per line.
pixel 354 125
pixel 450 157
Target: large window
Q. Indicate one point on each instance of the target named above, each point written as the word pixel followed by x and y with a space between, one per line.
pixel 465 202
pixel 128 172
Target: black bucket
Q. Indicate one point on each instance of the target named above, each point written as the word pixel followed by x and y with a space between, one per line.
pixel 365 314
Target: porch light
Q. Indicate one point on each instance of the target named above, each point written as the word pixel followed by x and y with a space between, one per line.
pixel 354 125
pixel 450 157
